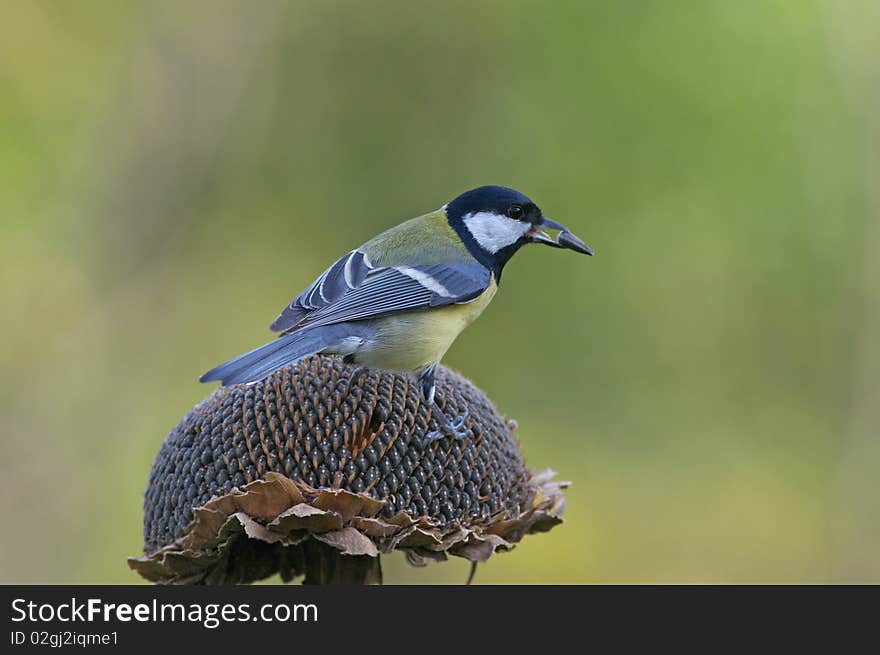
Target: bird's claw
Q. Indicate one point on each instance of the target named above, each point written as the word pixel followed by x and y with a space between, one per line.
pixel 459 431
pixel 454 428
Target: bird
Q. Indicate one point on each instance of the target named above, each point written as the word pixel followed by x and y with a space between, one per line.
pixel 400 300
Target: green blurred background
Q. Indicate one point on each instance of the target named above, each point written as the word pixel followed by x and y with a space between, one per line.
pixel 171 174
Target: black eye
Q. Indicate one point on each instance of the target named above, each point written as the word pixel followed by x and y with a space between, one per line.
pixel 515 212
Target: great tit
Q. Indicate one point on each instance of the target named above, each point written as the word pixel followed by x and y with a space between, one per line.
pixel 400 300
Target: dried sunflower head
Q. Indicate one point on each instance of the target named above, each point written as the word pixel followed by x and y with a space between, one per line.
pixel 310 469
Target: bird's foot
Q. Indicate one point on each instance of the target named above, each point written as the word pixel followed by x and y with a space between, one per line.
pixel 454 428
pixel 353 377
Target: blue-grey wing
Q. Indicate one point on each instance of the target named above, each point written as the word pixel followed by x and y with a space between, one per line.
pixel 392 289
pixel 345 274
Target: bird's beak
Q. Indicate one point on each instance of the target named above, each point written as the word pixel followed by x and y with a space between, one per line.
pixel 565 239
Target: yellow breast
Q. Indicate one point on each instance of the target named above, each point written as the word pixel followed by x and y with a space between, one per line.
pixel 412 340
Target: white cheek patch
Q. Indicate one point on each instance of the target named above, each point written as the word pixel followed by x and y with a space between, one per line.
pixel 494 231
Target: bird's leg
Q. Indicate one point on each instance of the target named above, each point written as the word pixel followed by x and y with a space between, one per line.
pixel 448 427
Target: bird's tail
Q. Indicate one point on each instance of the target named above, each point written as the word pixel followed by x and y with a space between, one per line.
pixel 258 363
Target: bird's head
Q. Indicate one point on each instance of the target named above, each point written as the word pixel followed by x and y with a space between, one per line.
pixel 495 221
